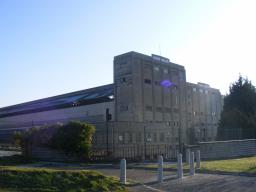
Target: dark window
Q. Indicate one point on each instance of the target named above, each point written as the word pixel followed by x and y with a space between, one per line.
pixel 154 137
pixel 161 137
pixel 159 109
pixel 168 110
pixel 138 137
pixel 149 108
pixel 147 81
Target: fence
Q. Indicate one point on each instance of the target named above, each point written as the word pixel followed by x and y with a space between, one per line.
pixel 136 152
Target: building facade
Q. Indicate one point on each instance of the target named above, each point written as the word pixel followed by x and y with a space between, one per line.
pixel 154 110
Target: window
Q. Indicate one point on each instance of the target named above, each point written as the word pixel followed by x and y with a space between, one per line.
pixel 157 83
pixel 201 90
pixel 156 68
pixel 148 108
pixel 194 89
pixel 138 137
pixel 123 79
pixel 159 109
pixel 147 81
pixel 161 137
pixel 168 110
pixel 165 71
pixel 129 137
pixel 154 137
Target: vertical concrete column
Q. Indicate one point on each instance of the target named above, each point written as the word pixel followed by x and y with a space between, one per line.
pixel 198 163
pixel 192 168
pixel 188 156
pixel 123 171
pixel 160 176
pixel 179 166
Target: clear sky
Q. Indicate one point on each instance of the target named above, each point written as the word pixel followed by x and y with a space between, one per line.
pixel 51 47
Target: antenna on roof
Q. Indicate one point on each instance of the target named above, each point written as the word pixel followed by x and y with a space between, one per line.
pixel 159 47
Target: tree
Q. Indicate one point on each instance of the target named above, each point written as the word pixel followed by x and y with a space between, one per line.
pixel 238 118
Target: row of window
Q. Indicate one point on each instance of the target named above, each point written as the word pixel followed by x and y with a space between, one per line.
pixel 160 109
pixel 149 137
pixel 202 113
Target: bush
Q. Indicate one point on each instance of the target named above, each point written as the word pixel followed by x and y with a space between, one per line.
pixel 42 180
pixel 74 138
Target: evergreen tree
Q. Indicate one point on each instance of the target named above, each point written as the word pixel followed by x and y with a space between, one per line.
pixel 238 118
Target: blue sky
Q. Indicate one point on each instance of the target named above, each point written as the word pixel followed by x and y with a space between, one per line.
pixel 53 47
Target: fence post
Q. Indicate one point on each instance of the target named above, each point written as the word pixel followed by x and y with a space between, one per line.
pixel 192 168
pixel 179 166
pixel 160 169
pixel 188 156
pixel 198 163
pixel 123 171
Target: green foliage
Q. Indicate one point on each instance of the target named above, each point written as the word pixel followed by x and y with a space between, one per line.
pixel 74 138
pixel 238 118
pixel 42 180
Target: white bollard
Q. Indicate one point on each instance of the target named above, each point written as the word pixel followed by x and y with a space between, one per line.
pixel 188 156
pixel 160 176
pixel 192 168
pixel 179 166
pixel 198 163
pixel 123 171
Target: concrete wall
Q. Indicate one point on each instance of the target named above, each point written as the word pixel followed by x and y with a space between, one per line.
pixel 227 149
pixel 139 95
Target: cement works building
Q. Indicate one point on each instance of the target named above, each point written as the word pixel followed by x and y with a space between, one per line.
pixel 149 110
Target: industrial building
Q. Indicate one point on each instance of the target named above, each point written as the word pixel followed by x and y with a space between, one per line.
pixel 149 110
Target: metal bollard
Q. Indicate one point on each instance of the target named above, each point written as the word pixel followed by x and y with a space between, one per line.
pixel 192 168
pixel 160 176
pixel 123 171
pixel 198 163
pixel 179 166
pixel 188 156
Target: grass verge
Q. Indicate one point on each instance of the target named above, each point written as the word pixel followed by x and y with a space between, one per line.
pixel 48 180
pixel 240 165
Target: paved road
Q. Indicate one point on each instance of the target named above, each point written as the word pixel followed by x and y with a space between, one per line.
pixel 202 183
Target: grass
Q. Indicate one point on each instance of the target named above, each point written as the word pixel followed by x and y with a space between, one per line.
pixel 14 179
pixel 241 165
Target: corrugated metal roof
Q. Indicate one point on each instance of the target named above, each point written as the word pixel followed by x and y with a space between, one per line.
pixel 84 97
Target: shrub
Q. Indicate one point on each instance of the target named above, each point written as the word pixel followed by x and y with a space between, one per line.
pixel 74 138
